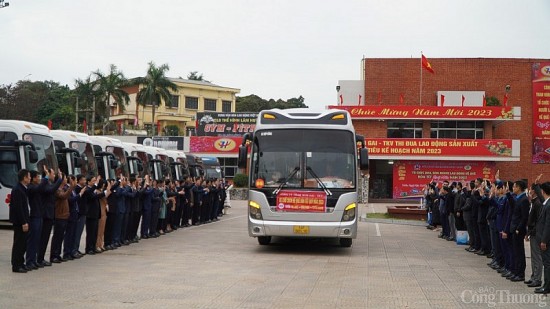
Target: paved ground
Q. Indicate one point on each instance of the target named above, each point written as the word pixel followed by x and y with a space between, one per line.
pixel 219 266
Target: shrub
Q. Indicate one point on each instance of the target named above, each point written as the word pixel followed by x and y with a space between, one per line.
pixel 240 180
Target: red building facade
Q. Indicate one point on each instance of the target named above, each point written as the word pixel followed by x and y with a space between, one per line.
pixel 470 118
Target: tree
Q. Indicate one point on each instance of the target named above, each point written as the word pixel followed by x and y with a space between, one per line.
pixel 86 93
pixel 111 85
pixel 57 106
pixel 194 75
pixel 492 101
pixel 172 130
pixel 254 103
pixel 156 87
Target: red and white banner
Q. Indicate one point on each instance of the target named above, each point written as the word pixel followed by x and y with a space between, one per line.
pixel 410 177
pixel 214 144
pixel 431 112
pixel 541 112
pixel 301 201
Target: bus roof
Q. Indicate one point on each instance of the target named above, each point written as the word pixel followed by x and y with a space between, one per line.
pixel 105 141
pixel 20 127
pixel 210 160
pixel 70 136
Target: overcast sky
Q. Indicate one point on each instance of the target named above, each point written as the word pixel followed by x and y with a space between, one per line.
pixel 274 49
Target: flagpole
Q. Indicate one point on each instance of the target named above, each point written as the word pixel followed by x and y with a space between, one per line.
pixel 420 78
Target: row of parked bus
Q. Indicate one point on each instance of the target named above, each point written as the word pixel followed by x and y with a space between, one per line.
pixel 31 146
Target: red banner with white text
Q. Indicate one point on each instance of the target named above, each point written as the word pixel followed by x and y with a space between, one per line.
pixel 301 201
pixel 410 177
pixel 495 148
pixel 541 112
pixel 431 112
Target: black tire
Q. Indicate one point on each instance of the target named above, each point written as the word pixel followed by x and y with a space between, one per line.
pixel 346 242
pixel 264 240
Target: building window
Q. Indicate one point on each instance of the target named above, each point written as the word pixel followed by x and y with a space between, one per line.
pixel 404 129
pixel 174 102
pixel 226 106
pixel 191 103
pixel 457 129
pixel 209 105
pixel 229 166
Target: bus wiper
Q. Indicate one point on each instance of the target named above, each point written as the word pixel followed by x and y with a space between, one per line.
pixel 292 173
pixel 327 191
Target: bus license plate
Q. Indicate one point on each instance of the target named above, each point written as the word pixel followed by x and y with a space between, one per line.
pixel 301 229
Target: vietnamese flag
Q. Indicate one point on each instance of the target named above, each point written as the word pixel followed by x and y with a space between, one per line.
pixel 84 126
pixel 463 98
pixel 50 124
pixel 484 101
pixel 506 100
pixel 401 99
pixel 426 65
pixel 341 100
pixel 359 103
pixel 442 100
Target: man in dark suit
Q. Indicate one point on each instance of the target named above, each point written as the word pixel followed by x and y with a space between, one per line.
pixel 48 202
pixel 80 190
pixel 91 199
pixel 19 217
pixel 543 237
pixel 518 228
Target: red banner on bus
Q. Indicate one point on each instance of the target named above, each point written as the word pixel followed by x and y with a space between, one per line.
pixel 301 201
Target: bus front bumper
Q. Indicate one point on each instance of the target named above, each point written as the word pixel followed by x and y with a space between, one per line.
pixel 302 229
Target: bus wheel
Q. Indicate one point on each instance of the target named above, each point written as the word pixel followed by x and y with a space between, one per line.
pixel 264 240
pixel 346 242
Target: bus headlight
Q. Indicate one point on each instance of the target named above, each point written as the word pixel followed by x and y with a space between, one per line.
pixel 254 210
pixel 349 212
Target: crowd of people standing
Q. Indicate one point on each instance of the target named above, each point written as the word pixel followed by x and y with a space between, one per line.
pixel 114 212
pixel 499 218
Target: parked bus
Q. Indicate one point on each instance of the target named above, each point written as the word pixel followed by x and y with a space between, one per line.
pixel 75 153
pixel 22 145
pixel 212 168
pixel 303 175
pixel 110 157
pixel 136 158
pixel 196 168
pixel 178 164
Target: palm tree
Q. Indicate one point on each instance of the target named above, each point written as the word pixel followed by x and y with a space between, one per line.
pixel 156 87
pixel 86 94
pixel 111 85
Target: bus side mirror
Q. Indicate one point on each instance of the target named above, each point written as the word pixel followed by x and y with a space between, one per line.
pixel 243 152
pixel 33 156
pixel 78 162
pixel 364 159
pixel 113 163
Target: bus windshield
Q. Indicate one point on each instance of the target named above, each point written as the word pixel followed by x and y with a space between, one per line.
pixel 45 149
pixel 304 158
pixel 87 154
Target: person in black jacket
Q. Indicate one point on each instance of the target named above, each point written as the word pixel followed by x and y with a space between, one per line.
pixel 536 255
pixel 112 202
pixel 92 196
pixel 34 189
pixel 19 217
pixel 518 228
pixel 51 184
pixel 543 236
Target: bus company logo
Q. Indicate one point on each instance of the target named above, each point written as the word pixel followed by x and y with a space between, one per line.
pixel 545 70
pixel 281 206
pixel 225 144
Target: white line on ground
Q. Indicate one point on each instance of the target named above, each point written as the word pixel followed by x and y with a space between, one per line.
pixel 377 230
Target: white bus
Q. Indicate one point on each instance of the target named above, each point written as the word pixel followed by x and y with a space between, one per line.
pixel 110 157
pixel 178 164
pixel 75 153
pixel 22 145
pixel 303 175
pixel 136 158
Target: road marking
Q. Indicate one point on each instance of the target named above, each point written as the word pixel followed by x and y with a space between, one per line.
pixel 377 230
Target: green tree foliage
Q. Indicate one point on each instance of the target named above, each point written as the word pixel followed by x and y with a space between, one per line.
pixel 155 88
pixel 109 86
pixel 195 75
pixel 172 130
pixel 57 106
pixel 492 101
pixel 254 103
pixel 240 180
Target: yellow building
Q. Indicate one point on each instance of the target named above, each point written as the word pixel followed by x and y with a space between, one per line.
pixel 191 97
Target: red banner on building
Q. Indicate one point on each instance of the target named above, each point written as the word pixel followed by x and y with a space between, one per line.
pixel 541 112
pixel 214 144
pixel 441 147
pixel 430 112
pixel 410 177
pixel 301 201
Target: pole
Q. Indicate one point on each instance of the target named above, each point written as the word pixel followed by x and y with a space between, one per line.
pixel 76 116
pixel 93 116
pixel 420 78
